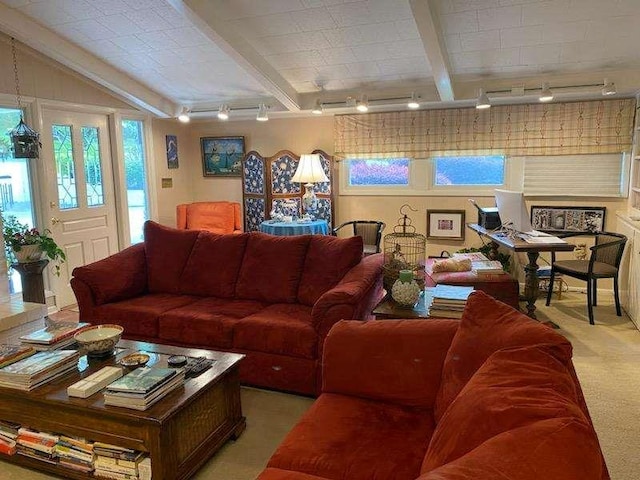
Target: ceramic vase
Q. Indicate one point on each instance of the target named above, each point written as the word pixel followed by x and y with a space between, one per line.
pixel 28 253
pixel 405 291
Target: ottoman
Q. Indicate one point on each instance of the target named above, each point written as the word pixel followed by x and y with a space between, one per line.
pixel 500 286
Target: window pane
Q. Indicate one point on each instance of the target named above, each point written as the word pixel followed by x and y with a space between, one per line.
pixel 379 171
pixel 15 183
pixel 92 166
pixel 469 170
pixel 135 176
pixel 65 168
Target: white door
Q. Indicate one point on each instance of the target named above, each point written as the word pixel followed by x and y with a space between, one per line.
pixel 80 201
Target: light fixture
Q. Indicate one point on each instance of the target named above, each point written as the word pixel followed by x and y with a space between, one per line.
pixel 413 102
pixel 309 171
pixel 362 105
pixel 223 112
pixel 483 101
pixel 184 115
pixel 609 88
pixel 262 113
pixel 317 108
pixel 24 139
pixel 546 95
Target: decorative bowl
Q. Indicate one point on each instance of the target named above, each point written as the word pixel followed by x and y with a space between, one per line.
pixel 134 360
pixel 99 340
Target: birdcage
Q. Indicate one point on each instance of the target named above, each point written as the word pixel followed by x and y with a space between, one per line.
pixel 404 249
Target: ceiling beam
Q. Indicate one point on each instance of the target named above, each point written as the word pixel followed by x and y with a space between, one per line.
pixel 431 35
pixel 49 43
pixel 207 17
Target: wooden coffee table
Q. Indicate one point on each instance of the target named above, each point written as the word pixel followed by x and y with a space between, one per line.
pixel 180 432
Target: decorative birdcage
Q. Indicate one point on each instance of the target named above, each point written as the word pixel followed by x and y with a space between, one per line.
pixel 404 249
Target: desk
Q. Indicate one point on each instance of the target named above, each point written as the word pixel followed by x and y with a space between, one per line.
pixel 531 281
pixel 316 227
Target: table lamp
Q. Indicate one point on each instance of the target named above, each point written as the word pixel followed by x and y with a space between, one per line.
pixel 309 171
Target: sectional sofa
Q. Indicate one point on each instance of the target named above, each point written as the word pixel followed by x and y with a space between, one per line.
pixel 271 298
pixel 492 397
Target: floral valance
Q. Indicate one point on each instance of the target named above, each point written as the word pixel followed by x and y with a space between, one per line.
pixel 589 127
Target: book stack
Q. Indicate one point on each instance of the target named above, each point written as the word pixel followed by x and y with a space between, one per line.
pixel 143 387
pixel 53 337
pixel 38 369
pixel 473 256
pixel 116 462
pixel 12 353
pixel 448 300
pixel 481 264
pixel 75 453
pixel 34 444
pixel 8 436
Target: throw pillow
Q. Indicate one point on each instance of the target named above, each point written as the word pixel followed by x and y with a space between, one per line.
pixel 451 265
pixel 487 326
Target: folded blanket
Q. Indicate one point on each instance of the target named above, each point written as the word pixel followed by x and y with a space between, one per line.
pixel 451 265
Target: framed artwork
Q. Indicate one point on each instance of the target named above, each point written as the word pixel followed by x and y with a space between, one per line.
pixel 445 224
pixel 172 151
pixel 222 156
pixel 568 219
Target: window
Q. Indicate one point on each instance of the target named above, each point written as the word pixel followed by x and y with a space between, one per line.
pixel 378 171
pixel 472 170
pixel 135 177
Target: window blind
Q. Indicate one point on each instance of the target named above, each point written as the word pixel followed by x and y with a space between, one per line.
pixel 575 175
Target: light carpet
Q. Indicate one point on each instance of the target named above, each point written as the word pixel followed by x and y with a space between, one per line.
pixel 606 357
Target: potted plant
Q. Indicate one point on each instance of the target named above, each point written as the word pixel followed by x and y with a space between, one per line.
pixel 24 244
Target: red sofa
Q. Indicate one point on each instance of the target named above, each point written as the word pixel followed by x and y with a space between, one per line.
pixel 492 397
pixel 271 298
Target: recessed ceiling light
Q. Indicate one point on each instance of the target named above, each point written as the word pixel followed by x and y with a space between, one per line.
pixel 262 113
pixel 413 102
pixel 184 115
pixel 546 95
pixel 223 112
pixel 363 104
pixel 317 108
pixel 483 101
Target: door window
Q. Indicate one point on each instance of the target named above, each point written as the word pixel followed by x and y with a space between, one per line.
pixel 92 166
pixel 65 166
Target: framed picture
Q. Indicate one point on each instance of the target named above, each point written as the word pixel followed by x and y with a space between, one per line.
pixel 568 219
pixel 445 224
pixel 172 151
pixel 222 156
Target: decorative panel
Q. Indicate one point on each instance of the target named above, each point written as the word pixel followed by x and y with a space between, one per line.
pixel 324 210
pixel 254 191
pixel 254 213
pixel 282 169
pixel 280 205
pixel 253 174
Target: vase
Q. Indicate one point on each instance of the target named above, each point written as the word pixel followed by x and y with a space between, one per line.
pixel 28 253
pixel 405 291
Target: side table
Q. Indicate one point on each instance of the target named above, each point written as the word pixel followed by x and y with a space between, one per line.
pixel 32 281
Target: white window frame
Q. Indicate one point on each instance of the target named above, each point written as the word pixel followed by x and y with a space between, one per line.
pixel 413 188
pixel 463 190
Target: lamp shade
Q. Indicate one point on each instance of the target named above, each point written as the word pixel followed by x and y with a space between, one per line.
pixel 309 170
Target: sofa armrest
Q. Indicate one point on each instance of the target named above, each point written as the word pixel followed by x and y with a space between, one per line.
pixel 353 298
pixel 181 216
pixel 395 361
pixel 118 277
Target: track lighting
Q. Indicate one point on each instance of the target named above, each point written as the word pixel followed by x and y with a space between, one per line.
pixel 413 102
pixel 262 113
pixel 362 105
pixel 317 108
pixel 609 88
pixel 483 101
pixel 223 112
pixel 184 115
pixel 546 95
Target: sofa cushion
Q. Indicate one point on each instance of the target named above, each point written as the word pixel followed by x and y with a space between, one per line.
pixel 213 266
pixel 139 315
pixel 343 437
pixel 207 322
pixel 558 448
pixel 281 328
pixel 167 250
pixel 328 260
pixel 514 388
pixel 272 267
pixel 486 326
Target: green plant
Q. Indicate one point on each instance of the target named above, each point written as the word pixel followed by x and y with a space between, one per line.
pixel 486 250
pixel 18 235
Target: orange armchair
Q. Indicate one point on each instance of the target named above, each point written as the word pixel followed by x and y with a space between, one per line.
pixel 216 217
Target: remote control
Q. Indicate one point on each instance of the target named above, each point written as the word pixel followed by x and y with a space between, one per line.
pixel 195 366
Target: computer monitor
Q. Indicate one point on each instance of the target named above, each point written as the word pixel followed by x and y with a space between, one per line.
pixel 512 210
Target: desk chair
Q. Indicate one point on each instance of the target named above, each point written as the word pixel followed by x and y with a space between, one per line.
pixel 604 262
pixel 369 230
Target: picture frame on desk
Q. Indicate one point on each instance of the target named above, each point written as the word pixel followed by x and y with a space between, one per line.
pixel 568 219
pixel 445 225
pixel 222 156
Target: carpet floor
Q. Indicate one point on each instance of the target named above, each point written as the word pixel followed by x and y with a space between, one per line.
pixel 606 357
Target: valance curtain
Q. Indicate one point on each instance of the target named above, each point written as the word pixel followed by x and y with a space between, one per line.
pixel 570 128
